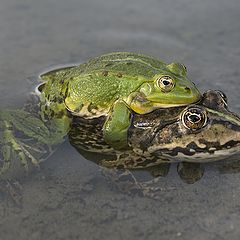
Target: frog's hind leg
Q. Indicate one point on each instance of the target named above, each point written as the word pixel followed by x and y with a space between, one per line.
pixel 115 128
pixel 131 183
pixel 122 180
pixel 28 138
pixel 10 147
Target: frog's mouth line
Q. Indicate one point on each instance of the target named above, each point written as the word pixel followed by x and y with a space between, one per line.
pixel 142 104
pixel 194 153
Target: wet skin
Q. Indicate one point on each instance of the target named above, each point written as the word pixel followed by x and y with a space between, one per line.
pixel 213 136
pixel 113 85
pixel 202 132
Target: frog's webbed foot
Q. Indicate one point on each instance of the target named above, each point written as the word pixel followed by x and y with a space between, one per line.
pixel 120 180
pixel 126 182
pixel 27 138
pixel 190 172
pixel 25 149
pixel 123 181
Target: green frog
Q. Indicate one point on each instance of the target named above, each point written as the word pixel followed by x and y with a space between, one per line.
pixel 115 84
pixel 112 86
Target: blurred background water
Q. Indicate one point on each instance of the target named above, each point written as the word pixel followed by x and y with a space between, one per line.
pixel 69 198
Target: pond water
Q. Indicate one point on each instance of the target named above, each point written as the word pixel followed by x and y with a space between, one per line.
pixel 69 198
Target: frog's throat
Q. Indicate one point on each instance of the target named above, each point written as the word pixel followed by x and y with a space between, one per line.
pixel 141 105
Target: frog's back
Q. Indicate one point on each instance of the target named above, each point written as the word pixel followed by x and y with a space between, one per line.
pixel 131 64
pixel 127 63
pixel 101 81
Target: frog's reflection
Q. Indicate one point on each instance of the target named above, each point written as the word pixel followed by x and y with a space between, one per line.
pixel 189 173
pixel 191 135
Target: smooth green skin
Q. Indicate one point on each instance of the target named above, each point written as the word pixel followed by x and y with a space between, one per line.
pixel 114 84
pixel 111 85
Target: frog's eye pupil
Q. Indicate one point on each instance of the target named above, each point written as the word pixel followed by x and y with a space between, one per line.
pixel 194 118
pixel 165 83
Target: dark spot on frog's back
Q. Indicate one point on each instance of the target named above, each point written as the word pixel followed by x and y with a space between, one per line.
pixel 187 89
pixel 105 73
pixel 119 74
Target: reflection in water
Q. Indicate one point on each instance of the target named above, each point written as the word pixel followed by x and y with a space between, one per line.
pixel 229 166
pixel 188 172
pixel 147 182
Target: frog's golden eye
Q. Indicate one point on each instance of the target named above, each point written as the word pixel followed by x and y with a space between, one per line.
pixel 194 118
pixel 166 83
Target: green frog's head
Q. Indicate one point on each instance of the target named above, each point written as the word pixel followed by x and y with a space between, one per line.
pixel 169 88
pixel 204 132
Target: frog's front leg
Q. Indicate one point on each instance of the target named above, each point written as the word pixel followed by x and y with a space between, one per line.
pixel 138 103
pixel 116 125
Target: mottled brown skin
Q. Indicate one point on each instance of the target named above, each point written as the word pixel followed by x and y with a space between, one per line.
pixel 162 136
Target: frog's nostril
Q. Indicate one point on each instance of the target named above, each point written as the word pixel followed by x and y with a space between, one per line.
pixel 187 89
